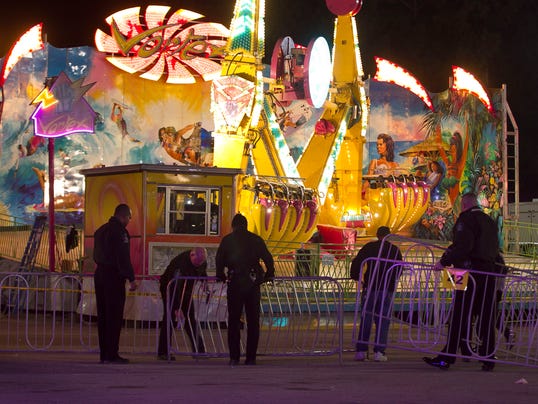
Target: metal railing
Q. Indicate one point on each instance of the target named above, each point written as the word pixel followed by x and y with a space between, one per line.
pixel 522 239
pixel 14 235
pixel 307 316
pixel 423 306
pixel 44 311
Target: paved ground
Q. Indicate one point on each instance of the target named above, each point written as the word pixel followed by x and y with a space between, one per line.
pixel 78 378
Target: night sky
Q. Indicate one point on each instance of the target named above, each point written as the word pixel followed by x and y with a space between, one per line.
pixel 496 40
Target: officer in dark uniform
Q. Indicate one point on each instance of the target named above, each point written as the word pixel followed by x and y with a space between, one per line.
pixel 112 255
pixel 475 246
pixel 241 252
pixel 188 263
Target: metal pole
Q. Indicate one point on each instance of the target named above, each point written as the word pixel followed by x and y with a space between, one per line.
pixel 52 236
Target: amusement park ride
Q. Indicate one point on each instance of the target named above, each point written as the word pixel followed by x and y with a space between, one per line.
pixel 283 199
pixel 287 193
pixel 163 61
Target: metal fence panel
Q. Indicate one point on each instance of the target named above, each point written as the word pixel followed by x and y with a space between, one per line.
pixel 299 315
pixel 422 308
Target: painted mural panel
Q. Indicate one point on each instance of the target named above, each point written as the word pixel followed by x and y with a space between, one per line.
pixel 138 121
pixel 456 149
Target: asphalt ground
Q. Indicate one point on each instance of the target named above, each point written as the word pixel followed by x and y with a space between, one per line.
pixel 42 377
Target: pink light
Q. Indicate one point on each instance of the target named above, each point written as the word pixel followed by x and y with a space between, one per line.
pixel 178 74
pixel 61 108
pixel 68 130
pixel 126 19
pixel 156 71
pixel 155 15
pixel 465 81
pixel 392 73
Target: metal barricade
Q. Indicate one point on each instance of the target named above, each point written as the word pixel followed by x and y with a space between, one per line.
pixel 38 311
pixel 57 312
pixel 502 309
pixel 299 316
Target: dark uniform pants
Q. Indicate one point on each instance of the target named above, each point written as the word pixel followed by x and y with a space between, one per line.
pixel 191 328
pixel 110 299
pixel 248 298
pixel 478 301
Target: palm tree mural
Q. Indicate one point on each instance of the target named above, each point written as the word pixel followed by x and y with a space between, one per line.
pixel 479 168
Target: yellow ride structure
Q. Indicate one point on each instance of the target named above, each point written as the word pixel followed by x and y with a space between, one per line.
pixel 285 200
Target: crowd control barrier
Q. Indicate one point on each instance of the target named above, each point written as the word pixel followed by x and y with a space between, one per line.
pixel 300 316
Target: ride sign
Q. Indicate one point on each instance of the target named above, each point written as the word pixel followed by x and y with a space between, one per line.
pixel 61 108
pixel 157 45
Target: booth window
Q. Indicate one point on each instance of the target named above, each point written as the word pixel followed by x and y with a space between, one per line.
pixel 189 210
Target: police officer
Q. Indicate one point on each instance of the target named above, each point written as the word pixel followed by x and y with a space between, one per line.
pixel 475 246
pixel 112 255
pixel 188 263
pixel 240 252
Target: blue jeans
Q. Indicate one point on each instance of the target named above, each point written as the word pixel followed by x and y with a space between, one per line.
pixel 376 306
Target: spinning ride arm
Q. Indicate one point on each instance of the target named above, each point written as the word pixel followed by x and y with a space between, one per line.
pixel 332 162
pixel 273 199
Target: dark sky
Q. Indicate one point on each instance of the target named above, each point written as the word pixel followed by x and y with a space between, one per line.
pixel 496 40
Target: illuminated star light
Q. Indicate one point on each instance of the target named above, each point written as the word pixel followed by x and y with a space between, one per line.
pixel 392 73
pixel 46 97
pixel 61 108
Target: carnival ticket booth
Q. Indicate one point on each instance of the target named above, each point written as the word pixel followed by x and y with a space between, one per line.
pixel 173 209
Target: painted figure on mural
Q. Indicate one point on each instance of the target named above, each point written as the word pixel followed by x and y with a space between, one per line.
pixel 117 116
pixel 294 116
pixel 191 143
pixel 385 164
pixel 433 179
pixel 31 146
pixel 419 159
pixel 183 145
pixel 454 161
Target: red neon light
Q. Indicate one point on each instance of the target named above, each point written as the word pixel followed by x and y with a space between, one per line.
pixel 392 73
pixel 465 81
pixel 29 42
pixel 344 7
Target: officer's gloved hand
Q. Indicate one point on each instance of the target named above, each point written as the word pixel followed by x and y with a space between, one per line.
pixel 268 278
pixel 438 266
pixel 221 278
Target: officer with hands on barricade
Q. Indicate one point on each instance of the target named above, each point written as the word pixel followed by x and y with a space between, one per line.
pixel 475 246
pixel 189 263
pixel 241 252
